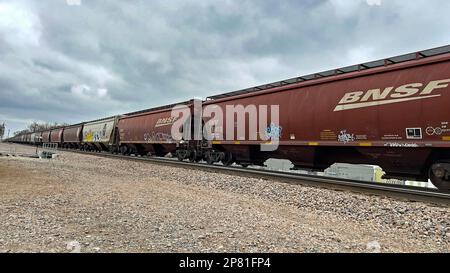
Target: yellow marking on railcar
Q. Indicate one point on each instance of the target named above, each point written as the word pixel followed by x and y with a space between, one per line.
pixel 313 144
pixel 446 138
pixel 365 144
pixel 237 142
pixel 217 142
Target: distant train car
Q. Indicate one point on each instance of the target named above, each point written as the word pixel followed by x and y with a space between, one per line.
pixel 396 116
pixel 72 136
pixel 147 132
pixel 100 135
pixel 38 138
pixel 56 136
pixel 46 136
pixel 33 138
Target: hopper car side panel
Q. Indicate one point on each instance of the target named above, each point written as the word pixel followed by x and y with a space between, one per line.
pixel 99 135
pixel 147 133
pixel 46 137
pixel 56 136
pixel 315 135
pixel 72 136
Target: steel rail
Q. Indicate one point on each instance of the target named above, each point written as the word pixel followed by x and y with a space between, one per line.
pixel 408 193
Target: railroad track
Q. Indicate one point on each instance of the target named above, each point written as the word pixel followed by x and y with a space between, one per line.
pixel 405 193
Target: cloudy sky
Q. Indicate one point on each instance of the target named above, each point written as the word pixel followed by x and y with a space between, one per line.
pixel 77 60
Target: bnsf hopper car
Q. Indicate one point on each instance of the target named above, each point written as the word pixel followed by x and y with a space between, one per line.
pixel 147 133
pixel 396 116
pixel 100 135
pixel 72 136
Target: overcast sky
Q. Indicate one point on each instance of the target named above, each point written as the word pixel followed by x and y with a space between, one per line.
pixel 71 60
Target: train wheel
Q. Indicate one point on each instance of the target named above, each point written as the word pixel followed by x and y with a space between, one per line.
pixel 439 175
pixel 193 156
pixel 209 158
pixel 228 159
pixel 123 150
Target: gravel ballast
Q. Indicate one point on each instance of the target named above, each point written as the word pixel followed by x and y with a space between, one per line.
pixel 85 203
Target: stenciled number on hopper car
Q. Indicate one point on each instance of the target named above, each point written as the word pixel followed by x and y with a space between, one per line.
pixel 259 127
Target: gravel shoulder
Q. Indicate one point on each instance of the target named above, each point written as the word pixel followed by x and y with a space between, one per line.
pixel 92 204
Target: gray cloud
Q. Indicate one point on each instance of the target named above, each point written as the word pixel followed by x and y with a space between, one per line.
pixel 68 63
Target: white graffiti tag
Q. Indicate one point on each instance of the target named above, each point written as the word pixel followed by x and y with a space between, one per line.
pixel 345 137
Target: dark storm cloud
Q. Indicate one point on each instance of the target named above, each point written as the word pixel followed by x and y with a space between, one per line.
pixel 68 63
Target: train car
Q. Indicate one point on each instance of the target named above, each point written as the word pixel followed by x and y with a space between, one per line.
pixel 100 135
pixel 33 138
pixel 393 113
pixel 56 136
pixel 148 132
pixel 72 136
pixel 38 140
pixel 45 136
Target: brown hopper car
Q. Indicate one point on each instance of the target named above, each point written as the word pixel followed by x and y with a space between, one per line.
pixel 46 137
pixel 147 133
pixel 72 136
pixel 396 116
pixel 56 136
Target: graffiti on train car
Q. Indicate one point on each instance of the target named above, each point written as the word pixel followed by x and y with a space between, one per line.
pixel 96 136
pixel 158 137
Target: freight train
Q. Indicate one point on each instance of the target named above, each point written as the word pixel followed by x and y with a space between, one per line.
pixel 394 113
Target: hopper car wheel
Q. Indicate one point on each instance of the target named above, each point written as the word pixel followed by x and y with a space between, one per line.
pixel 123 150
pixel 439 174
pixel 228 159
pixel 209 158
pixel 182 154
pixel 193 157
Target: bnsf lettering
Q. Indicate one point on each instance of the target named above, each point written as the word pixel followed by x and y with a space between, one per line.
pixel 388 95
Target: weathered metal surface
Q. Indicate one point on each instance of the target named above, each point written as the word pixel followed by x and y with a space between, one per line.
pixel 99 131
pixel 56 135
pixel 73 134
pixel 46 136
